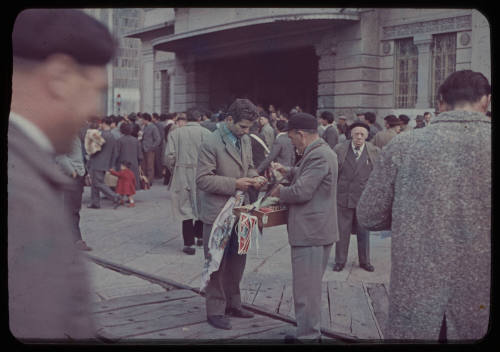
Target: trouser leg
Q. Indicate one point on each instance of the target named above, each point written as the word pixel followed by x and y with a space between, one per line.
pixel 73 202
pixel 198 229
pixel 345 220
pixel 363 237
pixel 100 186
pixel 150 165
pixel 223 287
pixel 188 232
pixel 308 267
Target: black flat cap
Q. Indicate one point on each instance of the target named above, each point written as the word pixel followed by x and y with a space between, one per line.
pixel 359 124
pixel 39 33
pixel 302 121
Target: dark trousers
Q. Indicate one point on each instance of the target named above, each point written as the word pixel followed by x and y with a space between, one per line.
pixel 348 224
pixel 158 163
pixel 190 230
pixel 73 203
pixel 98 186
pixel 223 288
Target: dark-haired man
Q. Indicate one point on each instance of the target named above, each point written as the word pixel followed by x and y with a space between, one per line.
pixel 371 120
pixel 224 166
pixel 59 74
pixel 439 211
pixel 355 163
pixel 329 134
pixel 150 141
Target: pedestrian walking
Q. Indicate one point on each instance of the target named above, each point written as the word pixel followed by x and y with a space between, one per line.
pixel 439 211
pixel 312 221
pixel 126 183
pixel 181 158
pixel 355 162
pixel 150 141
pixel 56 84
pixel 100 162
pixel 224 166
pixel 128 148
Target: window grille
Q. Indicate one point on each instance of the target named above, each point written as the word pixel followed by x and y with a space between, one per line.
pixel 444 50
pixel 406 73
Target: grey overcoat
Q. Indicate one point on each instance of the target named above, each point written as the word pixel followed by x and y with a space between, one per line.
pixel 432 187
pixel 219 165
pixel 47 281
pixel 312 197
pixel 128 148
pixel 181 157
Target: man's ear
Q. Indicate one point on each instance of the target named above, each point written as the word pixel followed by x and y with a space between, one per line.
pixel 60 71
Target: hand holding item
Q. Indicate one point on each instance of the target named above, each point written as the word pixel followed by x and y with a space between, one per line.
pixel 243 183
pixel 259 181
pixel 278 167
pixel 276 191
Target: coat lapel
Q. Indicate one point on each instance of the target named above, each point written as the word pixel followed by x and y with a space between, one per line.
pixel 231 149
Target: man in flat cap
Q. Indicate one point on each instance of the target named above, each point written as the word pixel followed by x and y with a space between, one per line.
pixel 392 128
pixel 355 163
pixel 312 220
pixel 59 74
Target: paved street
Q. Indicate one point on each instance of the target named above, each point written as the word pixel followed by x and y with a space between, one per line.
pixel 148 239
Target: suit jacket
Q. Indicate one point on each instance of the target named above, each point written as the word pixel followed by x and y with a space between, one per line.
pixel 219 165
pixel 267 133
pixel 312 198
pixel 104 159
pixel 383 137
pixel 47 280
pixel 282 152
pixel 353 174
pixel 150 137
pixel 331 136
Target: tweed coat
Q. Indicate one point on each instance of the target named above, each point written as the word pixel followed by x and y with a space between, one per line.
pixel 432 188
pixel 312 198
pixel 47 281
pixel 219 165
pixel 128 148
pixel 383 137
pixel 282 152
pixel 181 156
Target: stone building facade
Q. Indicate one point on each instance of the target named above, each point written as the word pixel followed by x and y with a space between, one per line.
pixel 345 60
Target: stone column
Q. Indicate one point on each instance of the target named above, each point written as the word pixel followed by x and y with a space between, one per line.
pixel 423 43
pixel 147 96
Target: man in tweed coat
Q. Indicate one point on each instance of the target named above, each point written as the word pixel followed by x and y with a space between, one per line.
pixel 432 187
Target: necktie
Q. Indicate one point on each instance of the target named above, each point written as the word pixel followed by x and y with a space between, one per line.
pixel 237 144
pixel 357 152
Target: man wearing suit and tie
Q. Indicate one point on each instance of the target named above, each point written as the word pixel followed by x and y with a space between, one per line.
pixel 355 163
pixel 312 220
pixel 99 163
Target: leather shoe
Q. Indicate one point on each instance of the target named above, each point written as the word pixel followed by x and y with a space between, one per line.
pixel 338 267
pixel 199 242
pixel 189 250
pixel 367 267
pixel 219 322
pixel 239 313
pixel 290 339
pixel 92 206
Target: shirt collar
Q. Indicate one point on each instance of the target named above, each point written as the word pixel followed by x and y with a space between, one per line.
pixel 32 132
pixel 228 133
pixel 360 149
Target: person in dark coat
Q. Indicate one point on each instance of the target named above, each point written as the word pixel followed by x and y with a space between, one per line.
pixel 150 141
pixel 128 148
pixel 282 150
pixel 329 134
pixel 432 188
pixel 56 83
pixel 355 162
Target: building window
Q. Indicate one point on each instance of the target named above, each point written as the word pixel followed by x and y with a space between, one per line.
pixel 406 75
pixel 444 49
pixel 165 92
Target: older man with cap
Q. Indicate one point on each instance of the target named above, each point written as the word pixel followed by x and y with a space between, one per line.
pixel 355 162
pixel 312 220
pixel 59 74
pixel 392 125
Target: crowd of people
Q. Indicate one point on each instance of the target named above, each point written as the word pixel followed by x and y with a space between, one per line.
pixel 430 186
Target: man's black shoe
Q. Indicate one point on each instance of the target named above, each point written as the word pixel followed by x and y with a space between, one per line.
pixel 338 267
pixel 367 267
pixel 239 313
pixel 219 322
pixel 92 206
pixel 189 250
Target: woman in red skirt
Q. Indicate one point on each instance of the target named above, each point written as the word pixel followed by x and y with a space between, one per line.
pixel 126 183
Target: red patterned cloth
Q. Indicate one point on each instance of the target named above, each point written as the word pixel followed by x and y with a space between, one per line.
pixel 126 182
